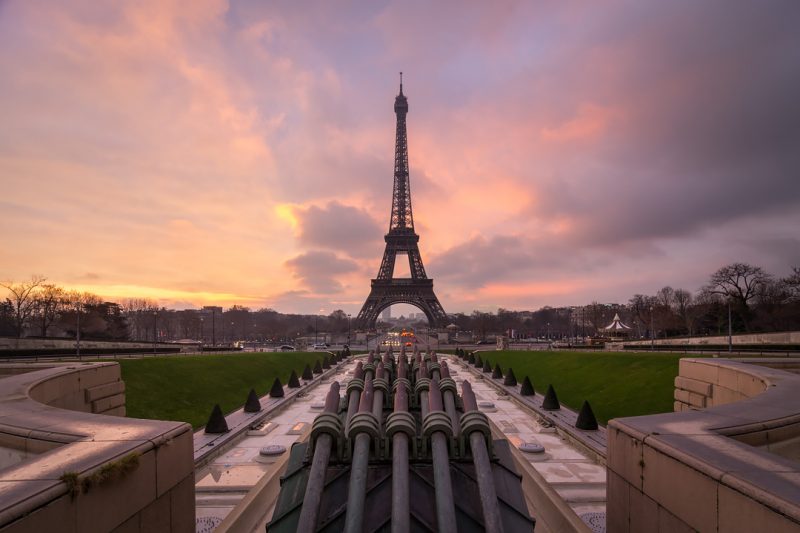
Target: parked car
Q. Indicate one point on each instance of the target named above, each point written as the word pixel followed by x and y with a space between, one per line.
pixel 285 348
pixel 320 347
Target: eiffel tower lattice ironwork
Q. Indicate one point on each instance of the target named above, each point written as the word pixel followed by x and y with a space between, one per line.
pixel 401 240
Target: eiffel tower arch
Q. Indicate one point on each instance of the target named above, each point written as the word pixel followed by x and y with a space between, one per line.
pixel 401 240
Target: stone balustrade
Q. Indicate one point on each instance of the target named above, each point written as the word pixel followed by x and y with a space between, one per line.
pixel 727 461
pixel 69 464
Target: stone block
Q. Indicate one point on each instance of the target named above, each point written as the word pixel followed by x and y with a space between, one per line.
pixel 104 404
pixel 625 456
pixel 182 510
pixel 107 506
pixel 643 512
pixel 55 388
pixel 681 395
pixel 104 391
pixel 58 515
pixel 693 385
pixel 750 386
pixel 116 411
pixel 99 375
pixel 174 461
pixel 156 516
pixel 669 523
pixel 617 503
pixel 698 370
pixel 728 377
pixel 723 395
pixel 683 491
pixel 738 513
pixel 697 400
pixel 131 525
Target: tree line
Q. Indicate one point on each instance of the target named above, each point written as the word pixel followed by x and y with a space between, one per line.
pixel 758 302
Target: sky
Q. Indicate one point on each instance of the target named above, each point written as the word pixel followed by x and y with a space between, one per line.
pixel 240 152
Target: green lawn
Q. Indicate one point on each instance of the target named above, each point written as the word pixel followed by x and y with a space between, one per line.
pixel 616 384
pixel 186 388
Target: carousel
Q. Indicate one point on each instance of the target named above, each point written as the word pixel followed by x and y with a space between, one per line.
pixel 617 330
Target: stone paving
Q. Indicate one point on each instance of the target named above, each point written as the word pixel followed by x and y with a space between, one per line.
pixel 578 479
pixel 222 483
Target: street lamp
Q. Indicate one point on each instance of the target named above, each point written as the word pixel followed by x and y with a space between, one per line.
pixel 730 329
pixel 348 329
pixel 652 330
pixel 155 330
pixel 213 327
pixel 202 334
pixel 78 307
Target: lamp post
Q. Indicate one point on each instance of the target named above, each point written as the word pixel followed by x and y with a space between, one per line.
pixel 233 333
pixel 348 329
pixel 652 330
pixel 78 330
pixel 730 329
pixel 202 334
pixel 213 327
pixel 155 330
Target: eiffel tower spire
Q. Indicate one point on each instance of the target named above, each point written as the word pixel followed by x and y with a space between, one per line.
pixel 401 240
pixel 402 216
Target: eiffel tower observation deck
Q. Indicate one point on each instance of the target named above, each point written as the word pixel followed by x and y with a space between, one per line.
pixel 401 240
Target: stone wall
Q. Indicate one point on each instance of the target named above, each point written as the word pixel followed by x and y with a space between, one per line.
pixel 84 471
pixel 25 343
pixel 726 462
pixel 784 337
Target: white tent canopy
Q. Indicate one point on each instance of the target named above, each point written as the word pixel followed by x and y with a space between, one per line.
pixel 616 325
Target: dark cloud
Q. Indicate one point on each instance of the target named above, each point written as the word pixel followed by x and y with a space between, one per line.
pixel 317 270
pixel 345 229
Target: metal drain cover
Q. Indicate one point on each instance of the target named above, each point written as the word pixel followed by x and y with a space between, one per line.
pixel 595 521
pixel 272 449
pixel 207 524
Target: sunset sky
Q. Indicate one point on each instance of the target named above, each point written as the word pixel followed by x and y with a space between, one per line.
pixel 213 152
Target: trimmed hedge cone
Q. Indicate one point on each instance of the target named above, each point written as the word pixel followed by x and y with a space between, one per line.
pixel 277 389
pixel 487 366
pixel 478 363
pixel 294 383
pixel 527 387
pixel 252 405
pixel 307 375
pixel 511 379
pixel 551 402
pixel 498 372
pixel 471 358
pixel 216 422
pixel 586 419
pixel 317 367
pixel 326 363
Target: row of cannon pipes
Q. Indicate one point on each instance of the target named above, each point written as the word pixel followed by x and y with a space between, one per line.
pixel 421 381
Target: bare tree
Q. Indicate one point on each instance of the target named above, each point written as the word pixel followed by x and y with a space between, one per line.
pixel 792 283
pixel 740 283
pixel 23 301
pixel 49 299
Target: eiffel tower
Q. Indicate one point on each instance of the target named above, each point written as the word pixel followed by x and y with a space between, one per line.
pixel 401 240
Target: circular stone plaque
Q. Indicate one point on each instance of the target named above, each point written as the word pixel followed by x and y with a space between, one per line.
pixel 272 449
pixel 531 447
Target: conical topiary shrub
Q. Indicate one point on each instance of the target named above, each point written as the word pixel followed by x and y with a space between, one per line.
pixel 471 358
pixel 317 367
pixel 487 366
pixel 252 405
pixel 216 422
pixel 307 374
pixel 511 379
pixel 478 363
pixel 277 389
pixel 551 402
pixel 498 372
pixel 294 383
pixel 527 387
pixel 326 363
pixel 586 419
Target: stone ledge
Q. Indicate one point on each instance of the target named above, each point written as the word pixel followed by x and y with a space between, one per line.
pixel 33 496
pixel 712 445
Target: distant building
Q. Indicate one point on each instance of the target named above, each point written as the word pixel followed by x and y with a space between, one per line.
pixel 387 314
